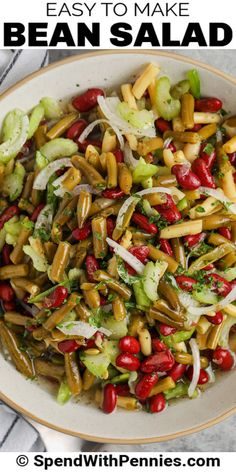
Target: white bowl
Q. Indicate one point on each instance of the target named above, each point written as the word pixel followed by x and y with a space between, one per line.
pixel 65 79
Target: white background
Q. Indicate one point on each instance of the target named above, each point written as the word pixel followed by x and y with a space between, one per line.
pixel 200 11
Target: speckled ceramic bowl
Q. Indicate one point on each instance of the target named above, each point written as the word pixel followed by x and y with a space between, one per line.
pixel 186 416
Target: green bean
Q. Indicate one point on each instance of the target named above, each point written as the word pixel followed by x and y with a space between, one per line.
pixel 93 177
pixel 17 254
pixel 164 307
pixel 61 126
pixel 58 315
pixel 113 284
pixel 155 255
pixel 179 252
pixel 18 357
pixel 60 261
pixel 99 229
pixel 11 271
pixel 158 315
pixel 72 374
pixel 49 369
pixel 83 207
pixel 112 170
pixel 216 221
pixel 212 256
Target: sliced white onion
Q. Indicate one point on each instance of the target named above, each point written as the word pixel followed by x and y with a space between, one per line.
pixel 196 366
pixel 231 297
pixel 58 181
pixel 211 374
pixel 126 256
pixel 129 158
pixel 60 192
pixel 45 217
pixel 167 143
pixel 219 195
pixel 43 177
pixel 109 108
pixel 79 328
pixel 107 308
pixel 132 381
pixel 33 310
pixel 136 197
pixel 92 125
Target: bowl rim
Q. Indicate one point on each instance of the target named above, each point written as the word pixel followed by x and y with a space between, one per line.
pixel 13 88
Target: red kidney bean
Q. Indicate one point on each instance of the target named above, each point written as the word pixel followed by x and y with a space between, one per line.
pixel 166 247
pixel 203 376
pixel 76 129
pixel 109 398
pixel 232 158
pixel 208 158
pixel 8 214
pixel 82 233
pixel 193 240
pixel 219 285
pixel 6 292
pixel 171 147
pixel 234 176
pixel 6 251
pixel 123 390
pixel 36 212
pixel 10 306
pixel 83 146
pixel 141 252
pixel 113 193
pixel 25 149
pixel 185 177
pixel 208 104
pixel 56 298
pixel 166 330
pixel 90 344
pixel 87 100
pixel 145 385
pixel 202 171
pixel 129 344
pixel 103 300
pixel 225 232
pixel 196 128
pixel 158 345
pixel 110 227
pixel 69 345
pixel 91 266
pixel 157 403
pixel 150 158
pixel 209 267
pixel 223 358
pixel 185 283
pixel 169 210
pixel 119 155
pixel 143 222
pixel 217 319
pixel 128 361
pixel 158 362
pixel 162 125
pixel 177 371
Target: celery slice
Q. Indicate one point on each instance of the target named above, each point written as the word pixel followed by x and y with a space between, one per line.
pixel 167 106
pixel 142 299
pixel 150 278
pixel 35 118
pixel 15 132
pixel 143 171
pixel 195 84
pixel 13 183
pixel 138 118
pixel 52 109
pixel 64 393
pixel 55 149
